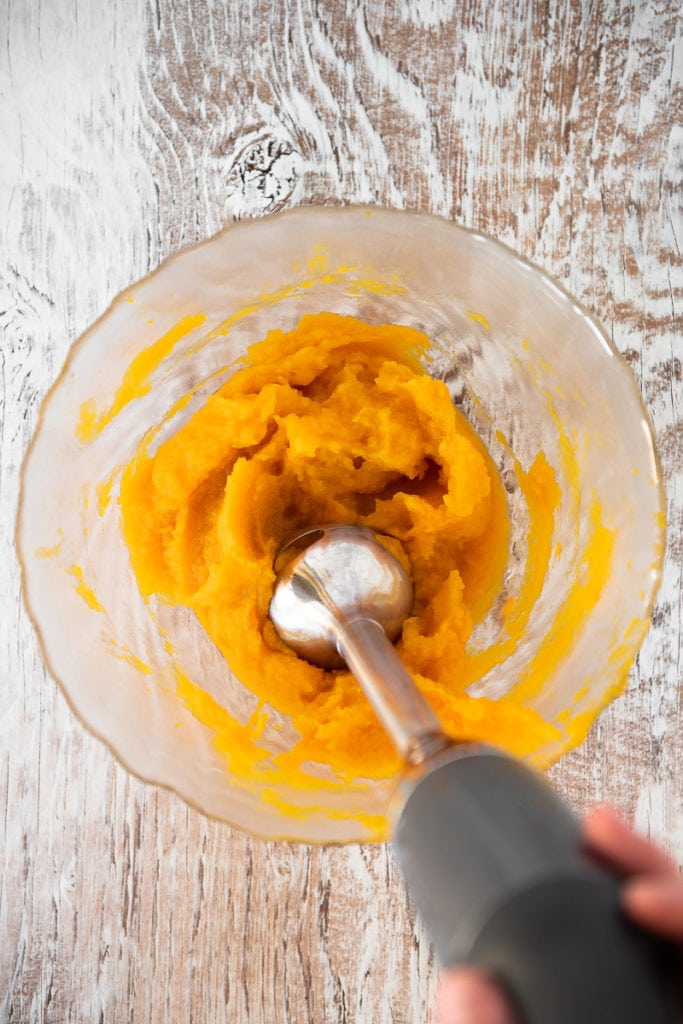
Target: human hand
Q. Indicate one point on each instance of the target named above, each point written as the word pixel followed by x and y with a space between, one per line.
pixel 652 896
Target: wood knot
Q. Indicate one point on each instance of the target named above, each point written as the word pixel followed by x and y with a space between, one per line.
pixel 263 177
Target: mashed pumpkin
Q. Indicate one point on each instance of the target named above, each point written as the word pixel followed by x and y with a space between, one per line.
pixel 335 421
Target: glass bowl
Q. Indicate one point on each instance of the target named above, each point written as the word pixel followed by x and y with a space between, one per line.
pixel 531 369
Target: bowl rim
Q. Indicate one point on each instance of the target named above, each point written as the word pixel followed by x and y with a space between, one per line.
pixel 343 209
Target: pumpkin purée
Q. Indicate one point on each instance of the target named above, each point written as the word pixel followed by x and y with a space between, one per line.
pixel 335 421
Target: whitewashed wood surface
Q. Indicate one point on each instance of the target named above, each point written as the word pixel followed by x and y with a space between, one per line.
pixel 130 128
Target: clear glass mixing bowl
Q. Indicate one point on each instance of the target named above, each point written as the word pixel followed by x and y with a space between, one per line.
pixel 531 369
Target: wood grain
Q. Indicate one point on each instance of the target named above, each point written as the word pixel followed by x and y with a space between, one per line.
pixel 131 129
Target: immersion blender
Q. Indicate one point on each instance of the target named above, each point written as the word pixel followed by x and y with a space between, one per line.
pixel 492 856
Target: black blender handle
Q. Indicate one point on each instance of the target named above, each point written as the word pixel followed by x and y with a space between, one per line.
pixel 494 861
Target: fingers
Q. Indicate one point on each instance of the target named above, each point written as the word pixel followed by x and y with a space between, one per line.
pixel 656 904
pixel 653 897
pixel 611 841
pixel 466 996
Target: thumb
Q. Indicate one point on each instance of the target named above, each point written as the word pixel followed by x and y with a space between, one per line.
pixel 466 996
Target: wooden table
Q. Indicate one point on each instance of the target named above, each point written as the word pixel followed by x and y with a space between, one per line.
pixel 130 129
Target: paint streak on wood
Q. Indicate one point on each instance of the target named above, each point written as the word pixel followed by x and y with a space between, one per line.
pixel 131 129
